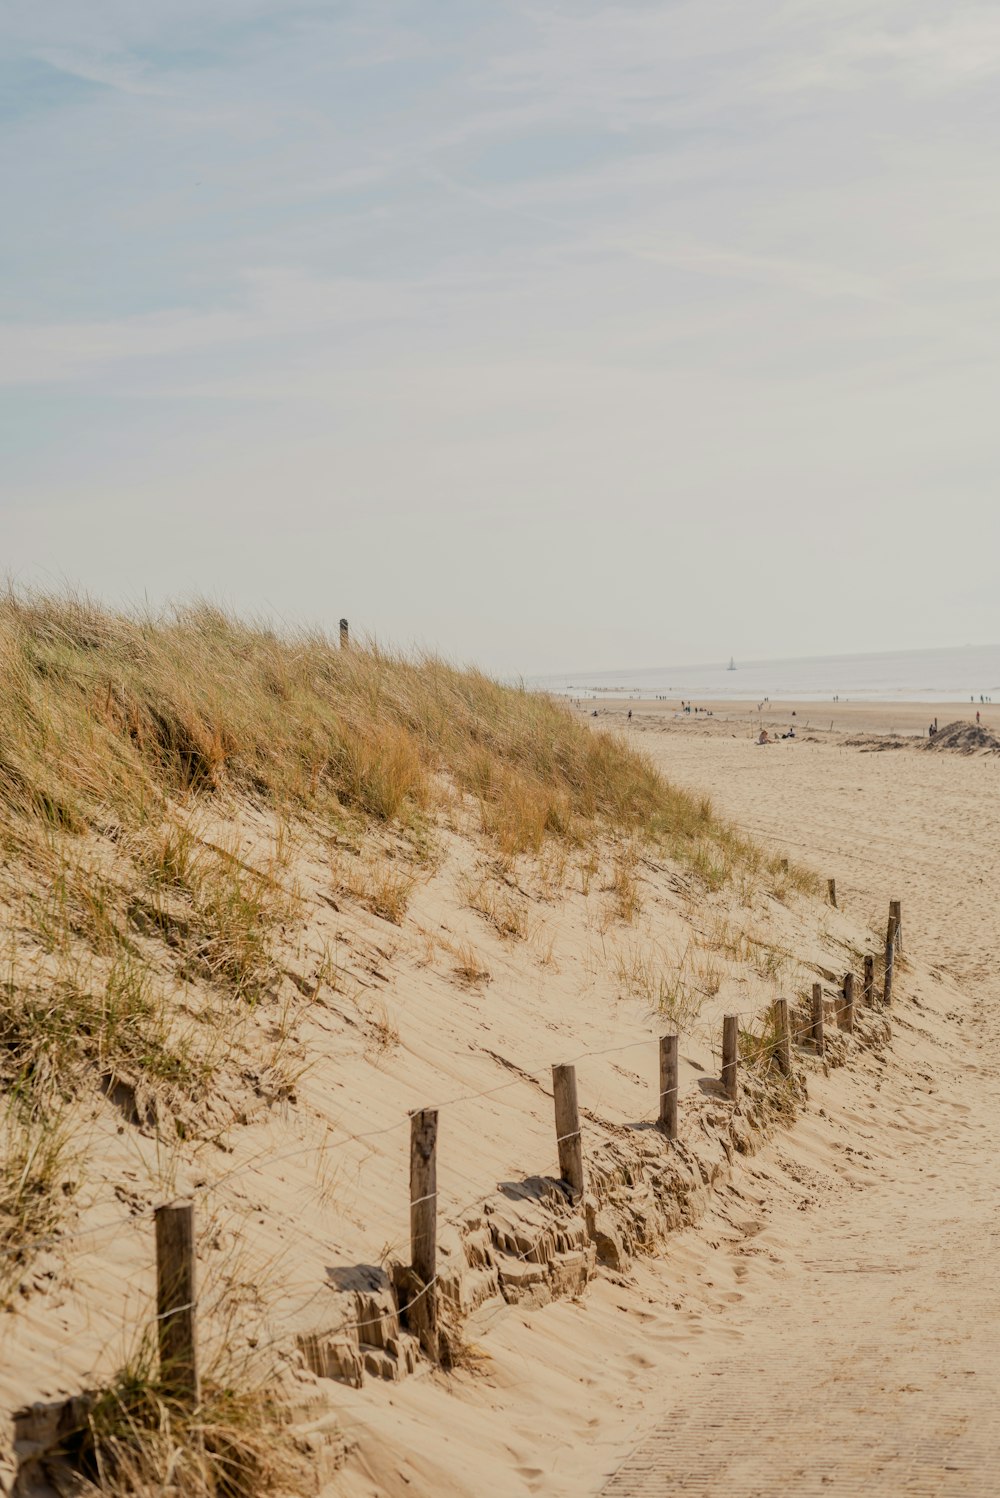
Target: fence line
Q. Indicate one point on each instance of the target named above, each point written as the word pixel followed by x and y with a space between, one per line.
pixel 176 1297
pixel 770 1047
pixel 699 1033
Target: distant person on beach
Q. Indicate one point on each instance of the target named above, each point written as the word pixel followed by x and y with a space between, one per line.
pixel 630 715
pixel 977 717
pixel 764 739
pixel 931 731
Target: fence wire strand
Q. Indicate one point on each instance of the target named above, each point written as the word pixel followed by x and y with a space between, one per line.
pixel 760 1047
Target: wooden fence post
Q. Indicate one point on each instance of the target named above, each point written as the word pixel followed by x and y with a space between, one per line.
pixel 668 1085
pixel 175 1301
pixel 896 915
pixel 890 959
pixel 783 1043
pixel 831 885
pixel 817 1019
pixel 345 635
pixel 423 1227
pixel 869 982
pixel 568 1137
pixel 730 1041
pixel 891 929
pixel 847 1011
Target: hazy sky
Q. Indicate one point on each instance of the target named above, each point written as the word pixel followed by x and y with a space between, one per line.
pixel 553 335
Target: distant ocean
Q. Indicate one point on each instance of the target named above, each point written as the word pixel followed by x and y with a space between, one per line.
pixel 953 675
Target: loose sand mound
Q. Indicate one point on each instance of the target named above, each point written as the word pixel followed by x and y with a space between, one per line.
pixel 967 738
pixel 875 743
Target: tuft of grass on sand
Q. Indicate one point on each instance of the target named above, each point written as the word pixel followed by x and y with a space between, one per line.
pixel 470 968
pixel 379 884
pixel 504 909
pixel 139 1439
pixel 34 1184
pixel 646 971
pixel 626 900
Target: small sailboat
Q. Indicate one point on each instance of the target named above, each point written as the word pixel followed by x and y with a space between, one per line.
pixel 732 664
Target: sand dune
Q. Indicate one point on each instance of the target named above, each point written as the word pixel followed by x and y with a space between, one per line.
pixel 836 1262
pixel 829 1320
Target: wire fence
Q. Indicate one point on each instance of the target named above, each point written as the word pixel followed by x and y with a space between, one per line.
pixel 693 1031
pixel 760 1042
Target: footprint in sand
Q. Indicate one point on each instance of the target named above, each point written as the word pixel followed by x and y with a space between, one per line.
pixel 532 1476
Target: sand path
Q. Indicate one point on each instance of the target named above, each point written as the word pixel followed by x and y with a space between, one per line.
pixel 872 1365
pixel 869 1362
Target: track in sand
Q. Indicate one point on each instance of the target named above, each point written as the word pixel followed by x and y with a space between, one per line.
pixel 869 1363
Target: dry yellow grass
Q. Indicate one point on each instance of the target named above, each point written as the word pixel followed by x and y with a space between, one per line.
pixel 141 939
pixel 109 718
pixel 470 967
pixel 377 883
pixel 33 1183
pixel 504 909
pixel 138 1439
pixel 124 736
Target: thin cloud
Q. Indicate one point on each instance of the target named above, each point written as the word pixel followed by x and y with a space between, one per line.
pixel 122 74
pixel 276 304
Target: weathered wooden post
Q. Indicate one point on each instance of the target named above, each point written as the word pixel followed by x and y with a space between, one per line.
pixel 896 915
pixel 869 995
pixel 345 635
pixel 890 960
pixel 730 1041
pixel 816 1029
pixel 783 1034
pixel 668 1085
pixel 422 1312
pixel 847 1009
pixel 831 885
pixel 176 1301
pixel 568 1137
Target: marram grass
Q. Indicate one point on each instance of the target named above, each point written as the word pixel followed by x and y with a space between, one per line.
pixel 108 718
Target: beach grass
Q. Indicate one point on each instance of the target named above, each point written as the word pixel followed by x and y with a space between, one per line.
pixel 111 719
pixel 144 929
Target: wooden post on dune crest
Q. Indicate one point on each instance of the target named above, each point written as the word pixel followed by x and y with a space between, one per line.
pixel 345 635
pixel 896 915
pixel 730 1039
pixel 869 993
pixel 816 1030
pixel 831 885
pixel 668 1085
pixel 569 1140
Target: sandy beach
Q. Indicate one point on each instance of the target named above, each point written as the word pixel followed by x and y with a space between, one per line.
pixel 826 1326
pixel 880 1332
pixel 499 780
pixel 831 1274
pixel 819 717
